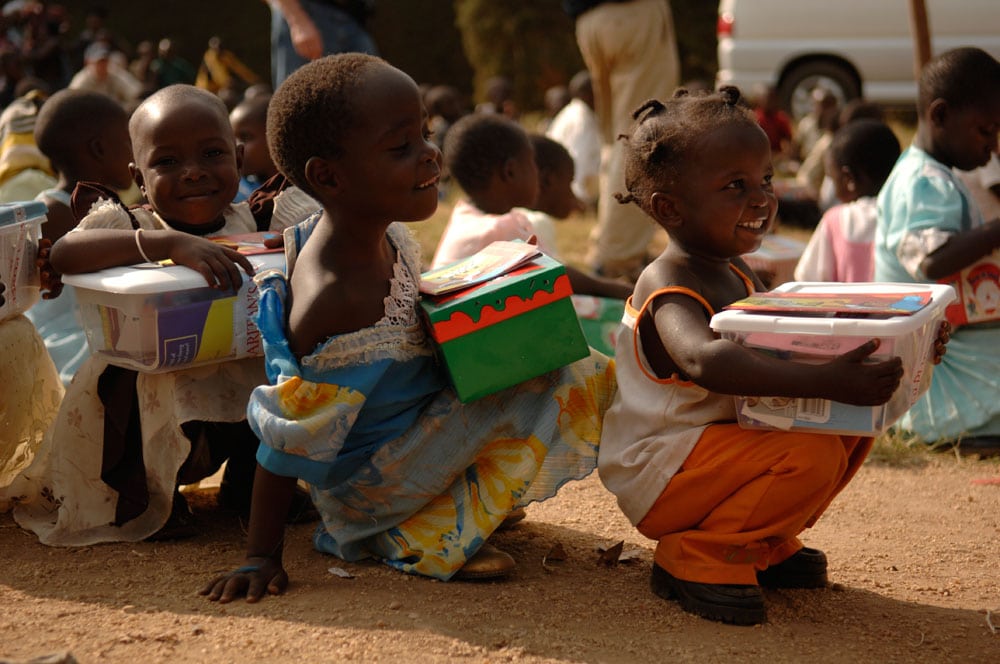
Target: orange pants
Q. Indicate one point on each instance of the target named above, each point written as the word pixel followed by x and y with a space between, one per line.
pixel 741 498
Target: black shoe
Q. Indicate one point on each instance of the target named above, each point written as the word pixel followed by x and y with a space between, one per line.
pixel 181 523
pixel 728 603
pixel 806 568
pixel 981 446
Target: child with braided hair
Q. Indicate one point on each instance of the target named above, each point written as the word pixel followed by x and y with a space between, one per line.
pixel 725 504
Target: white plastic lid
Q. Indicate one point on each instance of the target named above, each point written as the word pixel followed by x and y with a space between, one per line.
pixel 755 321
pixel 147 278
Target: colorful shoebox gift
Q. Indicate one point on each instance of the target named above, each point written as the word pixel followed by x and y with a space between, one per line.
pixel 155 319
pixel 978 288
pixel 504 331
pixel 600 319
pixel 775 259
pixel 20 230
pixel 843 325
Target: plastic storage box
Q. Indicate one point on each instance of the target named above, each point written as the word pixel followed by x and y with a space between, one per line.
pixel 819 338
pixel 20 229
pixel 156 319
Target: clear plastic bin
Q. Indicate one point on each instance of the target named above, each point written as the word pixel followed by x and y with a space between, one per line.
pixel 20 230
pixel 156 319
pixel 820 338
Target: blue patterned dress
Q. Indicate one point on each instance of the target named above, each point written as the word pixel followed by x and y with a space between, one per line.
pixel 398 467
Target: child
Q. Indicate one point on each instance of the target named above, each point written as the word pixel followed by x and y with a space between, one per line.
pixel 929 228
pixel 725 504
pixel 842 247
pixel 85 136
pixel 31 396
pixel 249 120
pixel 492 159
pixel 359 408
pixel 599 316
pixel 122 443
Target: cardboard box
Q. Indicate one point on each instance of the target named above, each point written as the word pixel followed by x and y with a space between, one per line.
pixel 820 338
pixel 156 319
pixel 978 288
pixel 504 331
pixel 776 258
pixel 20 230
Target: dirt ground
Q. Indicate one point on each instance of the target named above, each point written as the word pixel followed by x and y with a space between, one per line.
pixel 913 550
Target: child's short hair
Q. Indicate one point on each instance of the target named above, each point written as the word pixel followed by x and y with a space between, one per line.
pixel 660 140
pixel 962 77
pixel 254 109
pixel 866 146
pixel 478 145
pixel 312 111
pixel 550 155
pixel 69 119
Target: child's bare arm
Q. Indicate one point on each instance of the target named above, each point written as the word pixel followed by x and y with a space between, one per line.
pixel 962 250
pixel 729 368
pixel 99 248
pixel 262 571
pixel 588 284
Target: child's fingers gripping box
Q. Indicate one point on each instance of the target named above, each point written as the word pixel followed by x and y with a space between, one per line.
pixel 806 338
pixel 156 319
pixel 20 230
pixel 506 330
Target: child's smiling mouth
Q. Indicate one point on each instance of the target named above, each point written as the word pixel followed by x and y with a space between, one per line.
pixel 426 184
pixel 754 225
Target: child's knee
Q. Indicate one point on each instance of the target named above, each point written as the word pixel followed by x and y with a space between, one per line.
pixel 817 458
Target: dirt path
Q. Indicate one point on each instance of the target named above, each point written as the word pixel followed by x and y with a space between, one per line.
pixel 915 561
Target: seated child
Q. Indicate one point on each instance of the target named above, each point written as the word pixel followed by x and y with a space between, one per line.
pixel 358 406
pixel 249 120
pixel 841 248
pixel 725 504
pixel 599 316
pixel 85 136
pixel 31 396
pixel 123 441
pixel 929 229
pixel 492 159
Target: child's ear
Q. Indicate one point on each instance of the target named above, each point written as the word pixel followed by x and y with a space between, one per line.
pixel 938 112
pixel 136 175
pixel 96 148
pixel 322 175
pixel 509 170
pixel 664 209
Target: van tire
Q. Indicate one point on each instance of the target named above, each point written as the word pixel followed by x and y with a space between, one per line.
pixel 797 84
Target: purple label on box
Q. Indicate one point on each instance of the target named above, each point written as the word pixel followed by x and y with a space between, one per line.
pixel 180 332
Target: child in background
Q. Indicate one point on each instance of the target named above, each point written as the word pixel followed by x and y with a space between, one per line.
pixel 842 247
pixel 358 406
pixel 492 159
pixel 576 127
pixel 31 396
pixel 249 120
pixel 85 137
pixel 123 441
pixel 929 228
pixel 599 316
pixel 725 504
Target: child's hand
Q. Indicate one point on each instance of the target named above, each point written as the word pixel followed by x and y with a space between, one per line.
pixel 2 289
pixel 274 240
pixel 219 265
pixel 854 380
pixel 258 577
pixel 51 281
pixel 944 335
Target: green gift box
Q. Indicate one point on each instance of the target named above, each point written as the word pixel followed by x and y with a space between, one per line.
pixel 506 330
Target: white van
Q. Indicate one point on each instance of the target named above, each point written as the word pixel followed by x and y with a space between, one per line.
pixel 852 47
